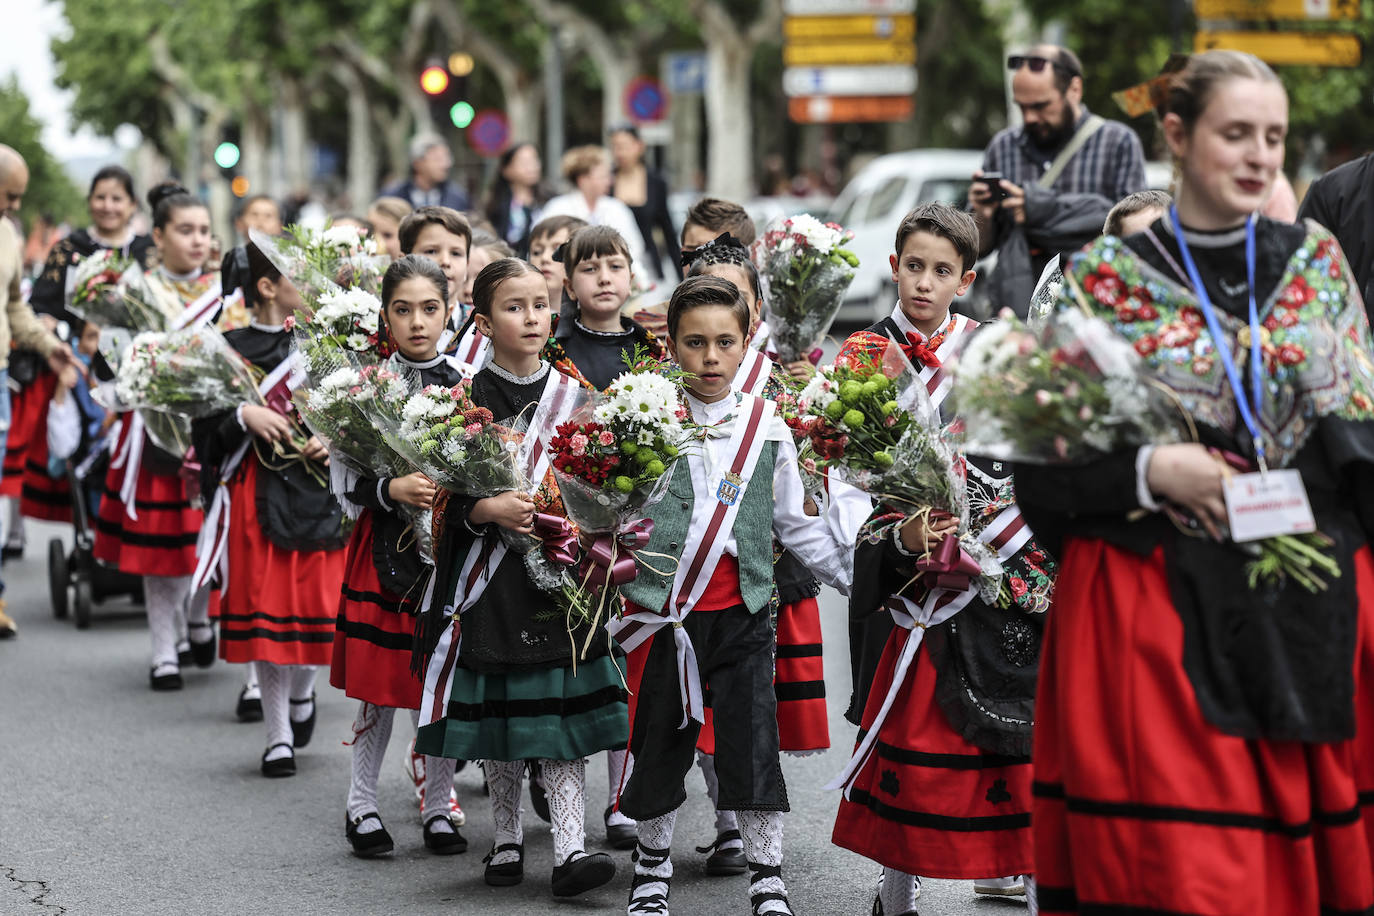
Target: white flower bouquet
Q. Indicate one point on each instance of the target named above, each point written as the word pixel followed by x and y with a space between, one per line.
pixel 806 270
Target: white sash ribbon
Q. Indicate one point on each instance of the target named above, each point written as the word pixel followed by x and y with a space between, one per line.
pixel 705 543
pixel 472 352
pixel 753 373
pixel 555 406
pixel 1007 534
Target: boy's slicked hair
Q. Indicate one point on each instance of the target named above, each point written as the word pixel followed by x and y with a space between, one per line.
pixel 716 215
pixel 556 224
pixel 948 223
pixel 697 292
pixel 454 223
pixel 1132 204
pixel 594 242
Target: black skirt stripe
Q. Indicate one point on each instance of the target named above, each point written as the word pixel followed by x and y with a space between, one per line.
pixel 154 505
pixel 46 497
pixel 559 706
pixel 792 691
pixel 911 818
pixel 1336 911
pixel 805 650
pixel 322 620
pixel 1366 798
pixel 1048 790
pixel 947 761
pixel 378 600
pixel 235 635
pixel 137 539
pixel 1056 898
pixel 365 632
pixel 1184 815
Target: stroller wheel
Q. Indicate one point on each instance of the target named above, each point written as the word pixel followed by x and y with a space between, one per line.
pixel 58 577
pixel 81 602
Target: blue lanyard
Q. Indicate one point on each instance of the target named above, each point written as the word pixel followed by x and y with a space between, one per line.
pixel 1247 408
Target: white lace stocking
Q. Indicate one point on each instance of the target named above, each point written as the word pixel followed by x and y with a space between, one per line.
pixel 505 779
pixel 565 784
pixel 653 867
pixel 762 832
pixel 372 733
pixel 897 891
pixel 725 820
pixel 275 682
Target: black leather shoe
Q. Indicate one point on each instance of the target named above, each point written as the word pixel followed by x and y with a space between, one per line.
pixel 184 656
pixel 539 801
pixel 444 844
pixel 302 732
pixel 579 875
pixel 722 861
pixel 203 653
pixel 508 873
pixel 367 845
pixel 619 836
pixel 248 709
pixel 282 766
pixel 170 681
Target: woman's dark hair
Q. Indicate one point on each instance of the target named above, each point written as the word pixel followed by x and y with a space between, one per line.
pixel 410 267
pixel 726 249
pixel 168 197
pixel 119 174
pixel 492 276
pixel 698 292
pixel 496 205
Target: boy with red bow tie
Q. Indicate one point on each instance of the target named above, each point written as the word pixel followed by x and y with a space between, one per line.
pixel 944 682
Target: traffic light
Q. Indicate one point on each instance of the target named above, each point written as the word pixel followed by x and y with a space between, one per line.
pixel 446 87
pixel 227 154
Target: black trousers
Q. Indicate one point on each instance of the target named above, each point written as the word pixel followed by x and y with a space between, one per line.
pixel 735 658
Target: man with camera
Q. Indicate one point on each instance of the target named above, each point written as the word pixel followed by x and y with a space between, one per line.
pixel 1046 186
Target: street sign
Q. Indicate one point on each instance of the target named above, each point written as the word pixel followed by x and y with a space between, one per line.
pixel 1262 10
pixel 891 80
pixel 846 7
pixel 644 100
pixel 838 28
pixel 849 52
pixel 1320 49
pixel 488 133
pixel 685 72
pixel 820 109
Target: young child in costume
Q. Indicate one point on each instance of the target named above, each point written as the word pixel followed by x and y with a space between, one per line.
pixel 547 236
pixel 379 604
pixel 799 678
pixel 284 539
pixel 940 785
pixel 500 685
pixel 706 623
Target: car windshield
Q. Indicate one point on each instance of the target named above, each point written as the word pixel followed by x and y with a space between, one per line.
pixel 953 191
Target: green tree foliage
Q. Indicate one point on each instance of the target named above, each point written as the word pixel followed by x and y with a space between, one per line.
pixel 51 191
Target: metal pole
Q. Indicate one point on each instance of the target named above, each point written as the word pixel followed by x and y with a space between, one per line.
pixel 553 110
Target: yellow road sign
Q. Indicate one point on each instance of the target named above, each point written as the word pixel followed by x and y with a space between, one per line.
pixel 1321 49
pixel 1258 10
pixel 841 28
pixel 849 52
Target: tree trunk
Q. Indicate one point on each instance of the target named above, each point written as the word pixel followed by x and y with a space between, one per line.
pixel 616 61
pixel 294 136
pixel 257 138
pixel 362 147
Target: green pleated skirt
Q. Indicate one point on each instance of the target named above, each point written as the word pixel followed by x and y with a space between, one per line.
pixel 548 713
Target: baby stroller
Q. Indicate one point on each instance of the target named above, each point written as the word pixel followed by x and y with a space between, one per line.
pixel 77 581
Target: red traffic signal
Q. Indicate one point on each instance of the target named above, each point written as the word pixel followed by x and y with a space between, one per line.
pixel 434 80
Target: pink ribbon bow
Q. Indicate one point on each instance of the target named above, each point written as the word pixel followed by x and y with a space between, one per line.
pixel 610 561
pixel 279 398
pixel 560 540
pixel 948 566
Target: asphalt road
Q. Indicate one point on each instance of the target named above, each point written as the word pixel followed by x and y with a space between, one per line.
pixel 118 800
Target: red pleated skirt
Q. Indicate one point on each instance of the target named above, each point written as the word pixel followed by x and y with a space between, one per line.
pixel 162 540
pixel 1142 806
pixel 28 423
pixel 43 496
pixel 798 682
pixel 373 634
pixel 929 802
pixel 280 605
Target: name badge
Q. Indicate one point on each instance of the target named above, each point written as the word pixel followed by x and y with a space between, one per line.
pixel 1266 505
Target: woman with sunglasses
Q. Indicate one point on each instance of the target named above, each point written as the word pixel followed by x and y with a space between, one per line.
pixel 1203 738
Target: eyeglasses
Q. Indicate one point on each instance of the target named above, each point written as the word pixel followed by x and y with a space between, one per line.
pixel 1036 64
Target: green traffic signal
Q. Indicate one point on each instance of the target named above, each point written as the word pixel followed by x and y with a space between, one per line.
pixel 461 114
pixel 227 155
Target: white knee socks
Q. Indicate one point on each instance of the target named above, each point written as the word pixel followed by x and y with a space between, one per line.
pixel 653 864
pixel 619 765
pixel 505 780
pixel 275 682
pixel 198 626
pixel 302 691
pixel 165 600
pixel 725 820
pixel 371 734
pixel 565 784
pixel 897 892
pixel 762 832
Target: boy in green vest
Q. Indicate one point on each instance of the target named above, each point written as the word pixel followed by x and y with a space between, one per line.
pixel 706 622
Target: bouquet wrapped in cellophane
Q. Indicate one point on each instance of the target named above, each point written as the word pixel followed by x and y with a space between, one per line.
pixel 612 460
pixel 314 259
pixel 1073 390
pixel 806 271
pixel 872 424
pixel 192 372
pixel 97 292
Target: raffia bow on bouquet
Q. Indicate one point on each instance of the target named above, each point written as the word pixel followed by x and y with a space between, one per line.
pixel 1073 390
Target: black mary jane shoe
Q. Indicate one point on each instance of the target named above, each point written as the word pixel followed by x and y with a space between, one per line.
pixel 168 681
pixel 302 732
pixel 248 709
pixel 441 843
pixel 507 873
pixel 769 898
pixel 185 657
pixel 579 875
pixel 723 862
pixel 620 836
pixel 370 844
pixel 203 653
pixel 282 766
